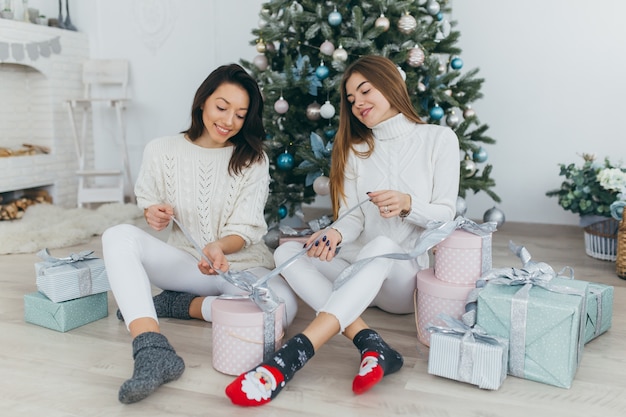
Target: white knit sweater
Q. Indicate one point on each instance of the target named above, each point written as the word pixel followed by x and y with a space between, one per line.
pixel 208 201
pixel 419 159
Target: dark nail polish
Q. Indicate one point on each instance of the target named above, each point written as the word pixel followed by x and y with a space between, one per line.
pixel 304 246
pixel 324 239
pixel 328 243
pixel 317 243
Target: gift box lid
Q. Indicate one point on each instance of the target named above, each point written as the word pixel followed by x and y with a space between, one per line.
pixel 238 312
pixel 429 284
pixel 461 239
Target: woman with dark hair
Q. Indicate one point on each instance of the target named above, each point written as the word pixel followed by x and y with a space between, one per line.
pixel 214 178
pixel 406 173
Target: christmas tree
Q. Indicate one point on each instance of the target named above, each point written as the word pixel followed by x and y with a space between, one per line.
pixel 304 46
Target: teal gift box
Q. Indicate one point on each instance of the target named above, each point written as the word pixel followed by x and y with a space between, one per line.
pixel 67 315
pixel 545 329
pixel 599 310
pixel 74 276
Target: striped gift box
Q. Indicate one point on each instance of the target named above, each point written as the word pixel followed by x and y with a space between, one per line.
pixel 472 361
pixel 71 280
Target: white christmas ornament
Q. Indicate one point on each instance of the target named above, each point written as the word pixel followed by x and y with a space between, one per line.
pixel 402 73
pixel 321 185
pixel 415 57
pixel 340 54
pixel 407 23
pixel 327 111
pixel 382 23
pixel 433 7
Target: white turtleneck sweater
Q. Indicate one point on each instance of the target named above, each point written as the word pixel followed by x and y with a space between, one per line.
pixel 418 159
pixel 208 201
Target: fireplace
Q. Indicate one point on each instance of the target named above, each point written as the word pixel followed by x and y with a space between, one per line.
pixel 40 67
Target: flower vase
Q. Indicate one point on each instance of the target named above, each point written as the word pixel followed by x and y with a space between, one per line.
pixel 600 237
pixel 620 259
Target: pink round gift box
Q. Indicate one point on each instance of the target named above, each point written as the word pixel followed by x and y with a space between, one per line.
pixel 434 297
pixel 458 259
pixel 238 334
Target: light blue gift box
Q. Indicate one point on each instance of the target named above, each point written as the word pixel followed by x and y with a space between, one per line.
pixel 481 362
pixel 67 315
pixel 549 347
pixel 77 275
pixel 599 310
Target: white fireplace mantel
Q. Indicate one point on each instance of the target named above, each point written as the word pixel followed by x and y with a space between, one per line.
pixel 33 91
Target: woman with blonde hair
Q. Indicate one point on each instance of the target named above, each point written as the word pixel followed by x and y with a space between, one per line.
pixel 407 172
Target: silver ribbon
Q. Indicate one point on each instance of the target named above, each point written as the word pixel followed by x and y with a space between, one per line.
pixel 468 335
pixel 531 274
pixel 597 293
pixel 435 232
pixel 76 260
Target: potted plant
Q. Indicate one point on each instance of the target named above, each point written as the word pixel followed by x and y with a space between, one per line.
pixel 589 190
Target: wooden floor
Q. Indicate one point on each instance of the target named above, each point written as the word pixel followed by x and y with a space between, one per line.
pixel 78 373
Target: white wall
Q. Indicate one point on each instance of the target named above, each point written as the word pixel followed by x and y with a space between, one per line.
pixel 553 79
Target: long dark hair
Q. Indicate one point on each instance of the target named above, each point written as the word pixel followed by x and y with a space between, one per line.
pixel 248 141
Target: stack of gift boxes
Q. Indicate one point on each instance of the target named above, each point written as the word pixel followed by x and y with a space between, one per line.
pixel 530 322
pixel 71 291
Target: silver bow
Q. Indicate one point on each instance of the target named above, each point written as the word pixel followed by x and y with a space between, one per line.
pixel 73 258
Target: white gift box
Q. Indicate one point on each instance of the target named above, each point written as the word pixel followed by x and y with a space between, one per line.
pixel 63 279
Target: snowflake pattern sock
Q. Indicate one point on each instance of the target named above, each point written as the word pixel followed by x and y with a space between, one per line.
pixel 377 360
pixel 156 363
pixel 172 304
pixel 263 383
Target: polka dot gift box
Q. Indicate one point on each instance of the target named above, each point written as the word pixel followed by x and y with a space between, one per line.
pixel 238 330
pixel 463 257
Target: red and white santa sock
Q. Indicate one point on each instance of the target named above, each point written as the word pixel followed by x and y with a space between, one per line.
pixel 263 383
pixel 377 360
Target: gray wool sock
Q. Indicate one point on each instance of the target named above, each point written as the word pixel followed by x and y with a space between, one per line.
pixel 172 304
pixel 156 363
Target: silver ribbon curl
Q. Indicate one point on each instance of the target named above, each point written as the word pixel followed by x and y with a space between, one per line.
pixel 531 274
pixel 469 334
pixel 85 282
pixel 435 232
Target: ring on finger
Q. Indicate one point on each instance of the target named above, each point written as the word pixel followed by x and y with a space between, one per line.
pixel 386 209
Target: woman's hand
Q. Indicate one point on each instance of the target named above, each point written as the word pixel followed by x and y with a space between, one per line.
pixel 324 244
pixel 390 203
pixel 158 216
pixel 214 252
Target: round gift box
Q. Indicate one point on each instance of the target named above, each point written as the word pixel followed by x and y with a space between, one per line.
pixel 238 334
pixel 435 297
pixel 458 259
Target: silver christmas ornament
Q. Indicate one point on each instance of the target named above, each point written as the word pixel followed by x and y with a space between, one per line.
pixel 407 23
pixel 421 87
pixel 495 215
pixel 272 237
pixel 433 7
pixel 415 57
pixel 468 168
pixel 402 73
pixel 469 112
pixel 461 206
pixel 453 119
pixel 382 23
pixel 313 111
pixel 281 106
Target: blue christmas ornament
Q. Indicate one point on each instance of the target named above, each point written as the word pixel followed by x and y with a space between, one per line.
pixel 334 18
pixel 436 113
pixel 285 161
pixel 330 133
pixel 439 16
pixel 456 63
pixel 282 211
pixel 322 72
pixel 480 155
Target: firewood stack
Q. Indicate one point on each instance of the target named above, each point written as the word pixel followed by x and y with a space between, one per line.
pixel 15 209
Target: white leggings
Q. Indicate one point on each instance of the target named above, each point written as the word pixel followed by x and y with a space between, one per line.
pixel 384 283
pixel 135 260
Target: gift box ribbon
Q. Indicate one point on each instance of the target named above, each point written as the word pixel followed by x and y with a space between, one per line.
pixel 435 232
pixel 597 293
pixel 469 335
pixel 76 260
pixel 531 274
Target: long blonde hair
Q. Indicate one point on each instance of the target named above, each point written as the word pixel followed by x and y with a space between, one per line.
pixel 383 74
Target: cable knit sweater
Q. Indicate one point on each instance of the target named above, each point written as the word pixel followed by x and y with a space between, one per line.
pixel 419 159
pixel 209 201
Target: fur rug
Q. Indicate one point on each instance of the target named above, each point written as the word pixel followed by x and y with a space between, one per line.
pixel 50 226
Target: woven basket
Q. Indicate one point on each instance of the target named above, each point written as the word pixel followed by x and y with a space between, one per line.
pixel 601 239
pixel 620 261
